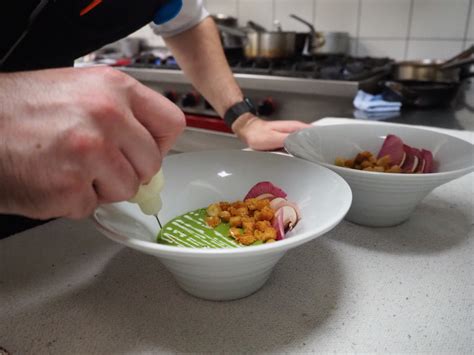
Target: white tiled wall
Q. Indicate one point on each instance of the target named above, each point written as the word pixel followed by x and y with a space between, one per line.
pixel 337 15
pixel 445 19
pixel 401 29
pixel 301 8
pixel 470 31
pixel 384 18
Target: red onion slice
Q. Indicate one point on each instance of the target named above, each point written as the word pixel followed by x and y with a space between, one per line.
pixel 265 196
pixel 428 158
pixel 411 162
pixel 278 225
pixel 265 187
pixel 393 147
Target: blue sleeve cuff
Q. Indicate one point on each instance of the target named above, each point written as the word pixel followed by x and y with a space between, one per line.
pixel 168 11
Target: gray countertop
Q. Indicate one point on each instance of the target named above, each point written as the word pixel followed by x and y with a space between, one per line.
pixel 66 289
pixel 459 115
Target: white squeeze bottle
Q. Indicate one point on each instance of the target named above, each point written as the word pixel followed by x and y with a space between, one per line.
pixel 148 196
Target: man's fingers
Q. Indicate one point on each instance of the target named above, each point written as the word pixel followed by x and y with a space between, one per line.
pixel 115 178
pixel 141 150
pixel 288 126
pixel 269 141
pixel 163 119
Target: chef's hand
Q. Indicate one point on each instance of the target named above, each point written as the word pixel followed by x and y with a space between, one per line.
pixel 264 135
pixel 71 139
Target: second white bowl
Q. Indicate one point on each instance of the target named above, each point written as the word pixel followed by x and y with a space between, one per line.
pixel 382 199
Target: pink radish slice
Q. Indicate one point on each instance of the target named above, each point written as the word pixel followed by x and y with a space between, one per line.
pixel 278 202
pixel 297 211
pixel 290 218
pixel 265 187
pixel 428 158
pixel 411 161
pixel 278 224
pixel 393 146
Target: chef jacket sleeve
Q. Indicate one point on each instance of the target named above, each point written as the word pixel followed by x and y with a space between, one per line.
pixel 192 13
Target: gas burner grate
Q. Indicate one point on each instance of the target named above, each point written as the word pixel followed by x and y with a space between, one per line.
pixel 325 67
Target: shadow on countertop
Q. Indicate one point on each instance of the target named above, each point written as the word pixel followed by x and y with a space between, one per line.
pixel 135 305
pixel 448 227
pixel 459 115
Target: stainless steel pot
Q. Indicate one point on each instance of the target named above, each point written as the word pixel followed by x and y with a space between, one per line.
pixel 270 45
pixel 436 70
pixel 334 43
pixel 259 43
pixel 225 20
pixel 315 40
pixel 229 40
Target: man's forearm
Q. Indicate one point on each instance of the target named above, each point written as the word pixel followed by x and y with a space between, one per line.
pixel 202 58
pixel 200 55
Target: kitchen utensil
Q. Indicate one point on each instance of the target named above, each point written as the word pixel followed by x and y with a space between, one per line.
pixel 462 59
pixel 277 26
pixel 382 199
pixel 334 43
pixel 421 93
pixel 429 83
pixel 195 180
pixel 424 70
pixel 435 70
pixel 225 20
pixel 231 40
pixel 315 39
pixel 270 45
pixel 256 27
pixel 259 43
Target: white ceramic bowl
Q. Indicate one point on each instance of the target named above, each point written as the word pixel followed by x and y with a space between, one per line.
pixel 381 199
pixel 195 180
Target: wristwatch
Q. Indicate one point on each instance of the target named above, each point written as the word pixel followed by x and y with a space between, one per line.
pixel 237 110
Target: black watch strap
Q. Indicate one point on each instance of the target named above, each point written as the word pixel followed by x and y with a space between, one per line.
pixel 237 110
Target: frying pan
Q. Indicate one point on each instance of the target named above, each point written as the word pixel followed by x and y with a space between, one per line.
pixel 421 94
pixel 452 70
pixel 429 83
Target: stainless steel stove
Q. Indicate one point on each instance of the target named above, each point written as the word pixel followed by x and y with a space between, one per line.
pixel 305 89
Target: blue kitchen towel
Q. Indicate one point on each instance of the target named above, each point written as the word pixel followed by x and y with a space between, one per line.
pixel 374 103
pixel 375 116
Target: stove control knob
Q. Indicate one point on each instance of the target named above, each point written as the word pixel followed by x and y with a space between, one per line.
pixel 266 107
pixel 171 95
pixel 191 99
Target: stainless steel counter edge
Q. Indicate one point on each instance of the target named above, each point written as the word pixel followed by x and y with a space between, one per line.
pixel 256 82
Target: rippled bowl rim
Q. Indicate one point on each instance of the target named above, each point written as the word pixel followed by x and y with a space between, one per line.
pixel 280 245
pixel 387 176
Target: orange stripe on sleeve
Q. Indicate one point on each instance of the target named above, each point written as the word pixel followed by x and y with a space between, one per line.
pixel 90 7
